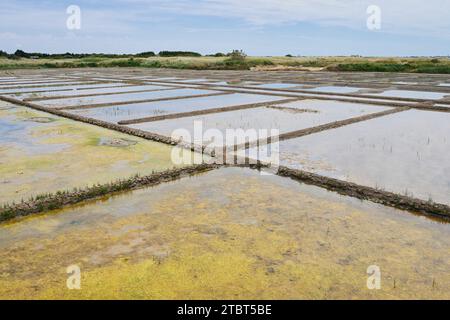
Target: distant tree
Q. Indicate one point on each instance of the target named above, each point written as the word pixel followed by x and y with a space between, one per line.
pixel 237 55
pixel 179 54
pixel 289 55
pixel 3 53
pixel 145 54
pixel 21 54
pixel 219 54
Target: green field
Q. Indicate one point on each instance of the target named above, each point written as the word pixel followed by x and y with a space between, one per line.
pixel 349 64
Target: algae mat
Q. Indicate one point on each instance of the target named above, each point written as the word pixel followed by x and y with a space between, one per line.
pixel 42 153
pixel 227 234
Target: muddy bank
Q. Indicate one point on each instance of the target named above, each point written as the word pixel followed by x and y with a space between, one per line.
pixel 390 199
pixel 60 199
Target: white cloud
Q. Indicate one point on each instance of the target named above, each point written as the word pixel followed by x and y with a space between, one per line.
pixel 132 25
pixel 399 16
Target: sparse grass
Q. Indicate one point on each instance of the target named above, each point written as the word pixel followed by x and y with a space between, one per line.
pixel 59 199
pixel 344 64
pixel 410 66
pixel 372 67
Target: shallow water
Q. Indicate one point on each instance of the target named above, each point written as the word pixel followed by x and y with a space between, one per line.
pixel 134 111
pixel 237 83
pixel 34 81
pixel 405 82
pixel 278 85
pixel 12 80
pixel 227 234
pixel 60 154
pixel 123 97
pixel 193 80
pixel 60 84
pixel 41 91
pixel 333 89
pixel 103 90
pixel 17 134
pixel 296 115
pixel 407 153
pixel 163 78
pixel 412 94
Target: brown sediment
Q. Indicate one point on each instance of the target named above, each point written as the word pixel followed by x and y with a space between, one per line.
pixel 60 199
pixel 97 94
pixel 91 106
pixel 390 199
pixel 203 112
pixel 41 119
pixel 293 110
pixel 116 142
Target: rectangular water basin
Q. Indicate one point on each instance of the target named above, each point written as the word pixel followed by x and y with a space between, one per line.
pixel 283 117
pixel 406 153
pixel 123 97
pixel 141 110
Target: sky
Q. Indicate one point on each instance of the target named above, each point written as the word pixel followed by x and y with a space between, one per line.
pixel 259 27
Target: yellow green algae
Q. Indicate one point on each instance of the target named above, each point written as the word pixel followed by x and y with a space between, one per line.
pixel 227 234
pixel 42 153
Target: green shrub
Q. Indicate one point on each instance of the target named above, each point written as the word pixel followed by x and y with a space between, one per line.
pixel 434 69
pixel 145 54
pixel 237 55
pixel 373 67
pixel 124 63
pixel 313 63
pixel 179 54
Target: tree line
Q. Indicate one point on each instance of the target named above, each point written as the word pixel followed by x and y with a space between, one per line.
pixel 68 55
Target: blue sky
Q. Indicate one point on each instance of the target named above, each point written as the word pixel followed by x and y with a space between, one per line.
pixel 259 27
